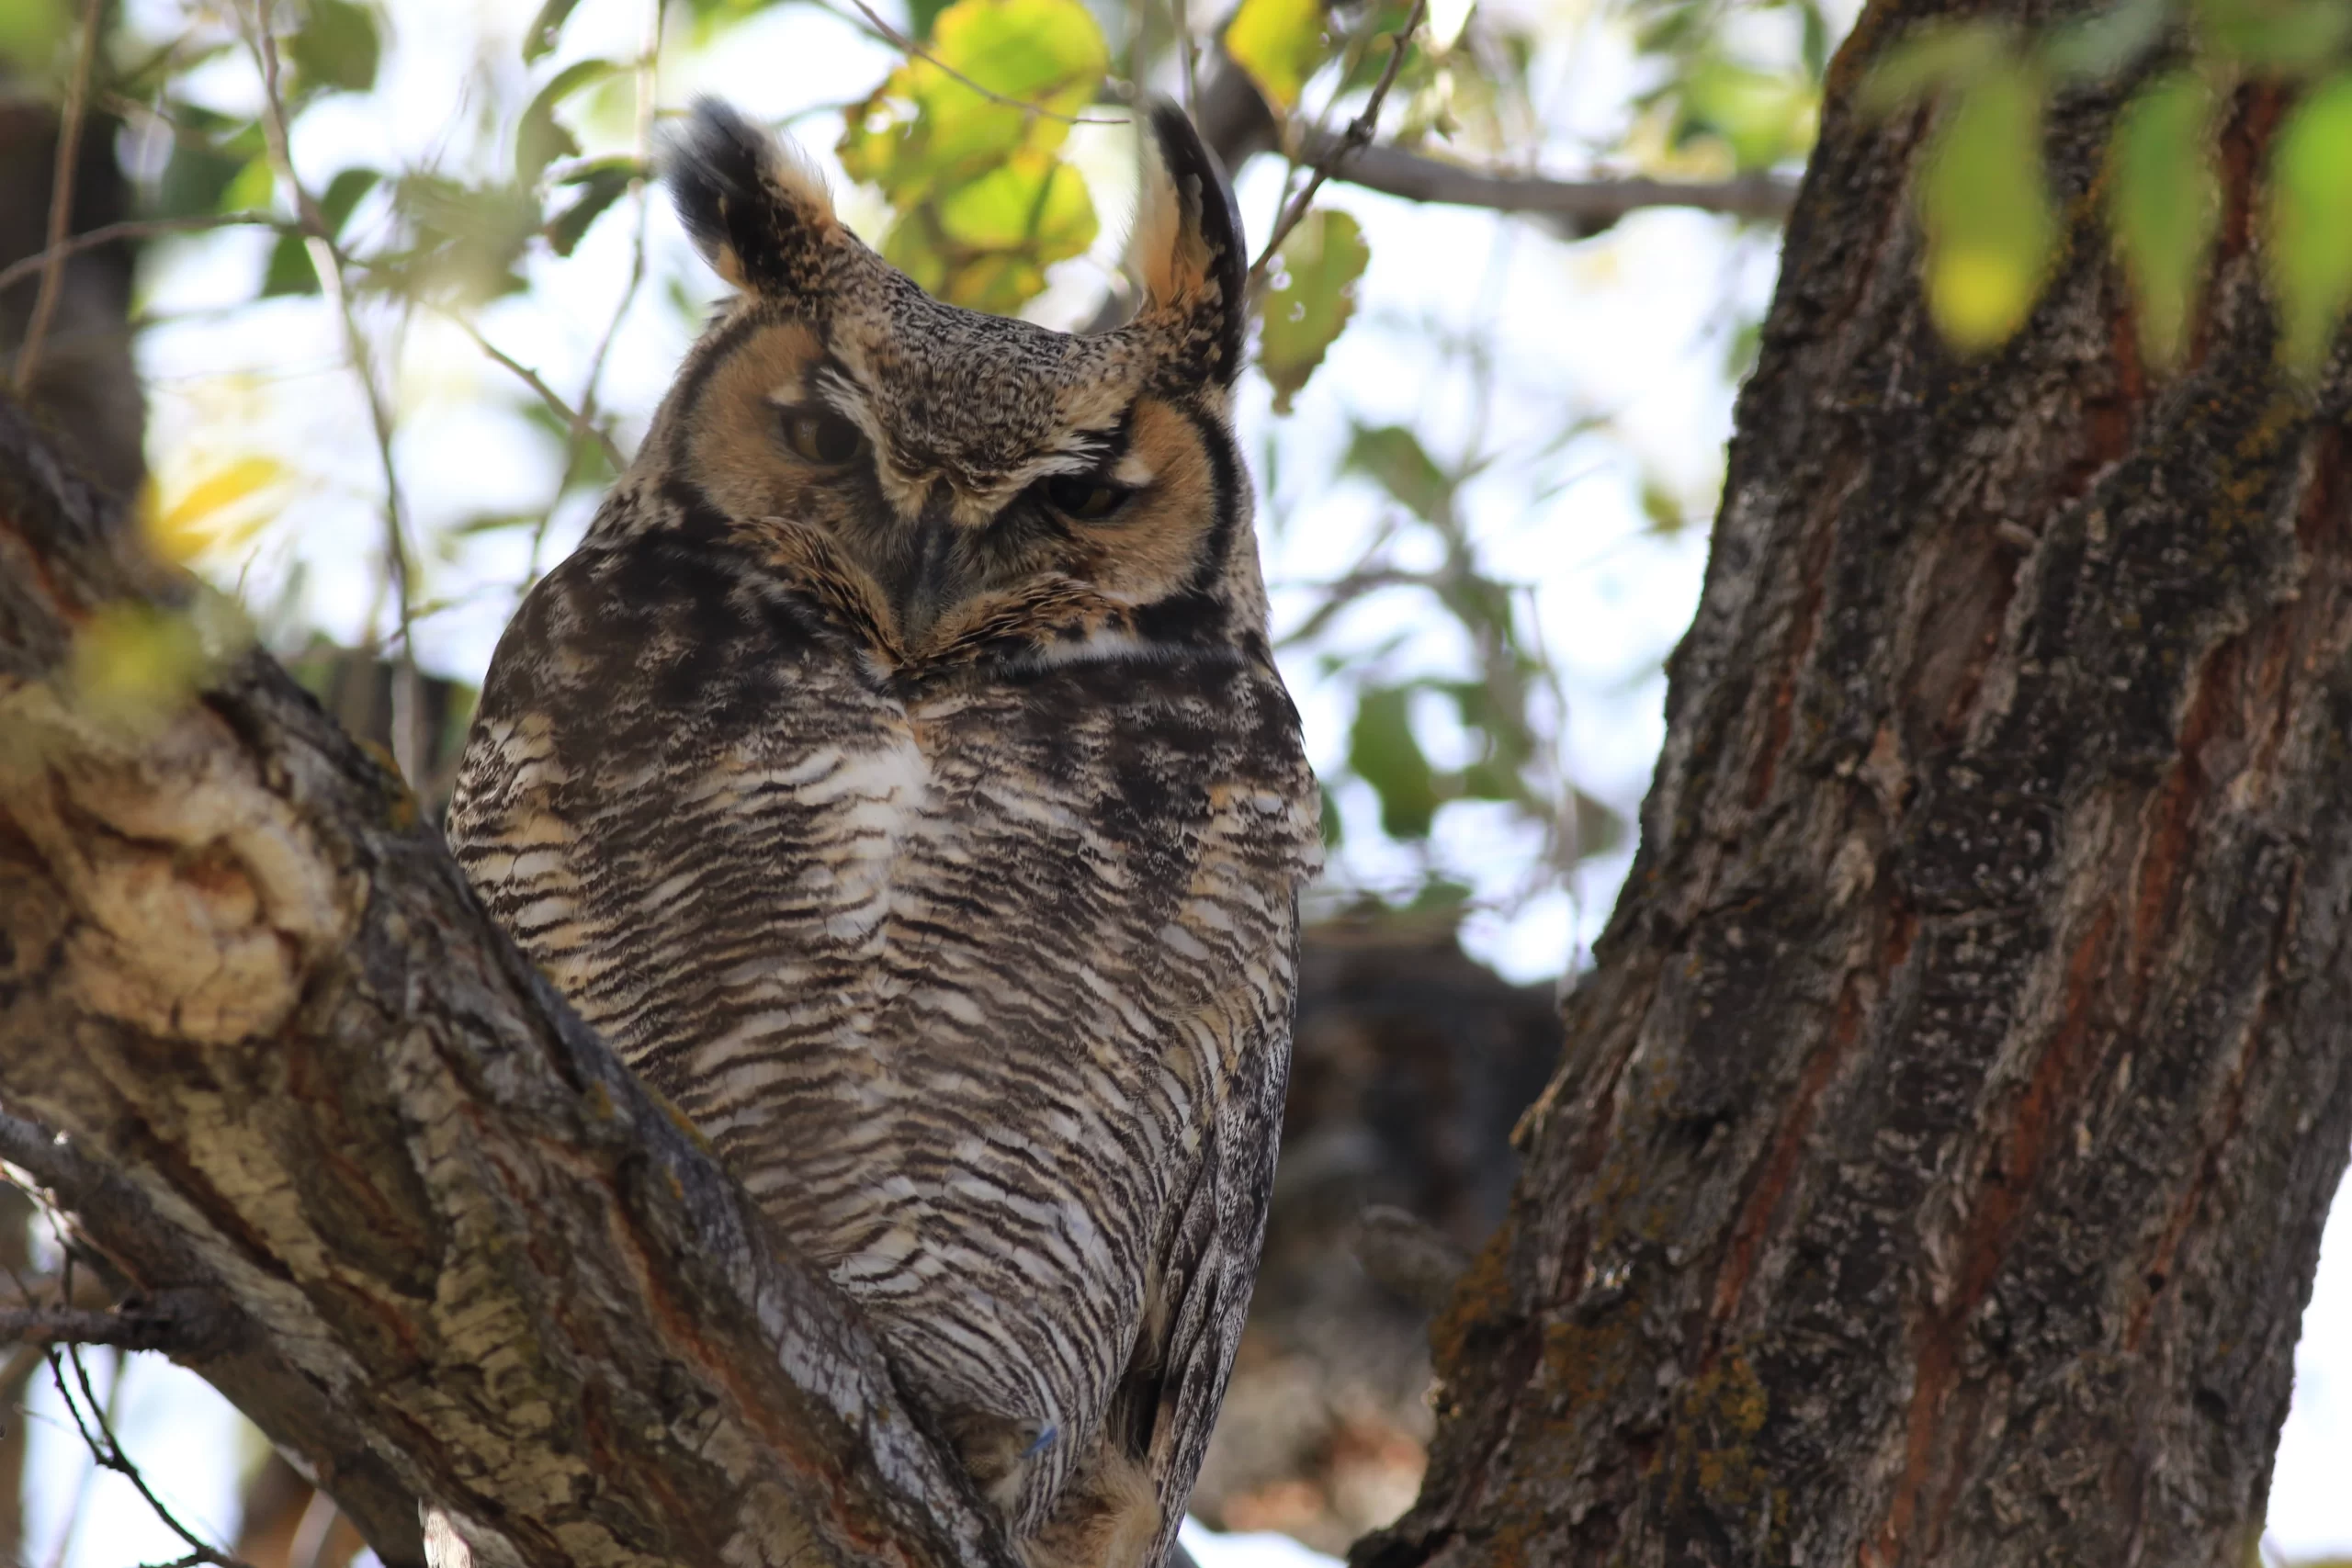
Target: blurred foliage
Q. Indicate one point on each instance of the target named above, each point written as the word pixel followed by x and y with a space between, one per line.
pixel 135 666
pixel 984 202
pixel 1989 215
pixel 1723 106
pixel 966 148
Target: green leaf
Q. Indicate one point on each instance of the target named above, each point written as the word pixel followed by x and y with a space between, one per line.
pixel 996 235
pixel 290 270
pixel 1373 37
pixel 2289 36
pixel 1930 56
pixel 2165 204
pixel 2310 253
pixel 1813 44
pixel 546 29
pixel 1764 117
pixel 253 186
pixel 199 178
pixel 984 202
pixel 339 45
pixel 1439 893
pixel 924 127
pixel 1599 828
pixel 1486 780
pixel 343 195
pixel 2107 43
pixel 1393 457
pixel 1311 300
pixel 538 140
pixel 1662 507
pixel 1280 43
pixel 1030 202
pixel 600 184
pixel 1383 751
pixel 468 238
pixel 1985 199
pixel 209 156
pixel 33 31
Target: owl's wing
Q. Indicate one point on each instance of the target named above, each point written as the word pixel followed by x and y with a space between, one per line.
pixel 1209 1262
pixel 1211 1265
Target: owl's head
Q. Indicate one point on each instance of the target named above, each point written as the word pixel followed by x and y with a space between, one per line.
pixel 970 464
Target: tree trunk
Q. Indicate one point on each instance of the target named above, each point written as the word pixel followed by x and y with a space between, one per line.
pixel 1937 1167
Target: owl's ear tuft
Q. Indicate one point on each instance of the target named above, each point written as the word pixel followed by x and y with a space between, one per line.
pixel 754 206
pixel 1187 249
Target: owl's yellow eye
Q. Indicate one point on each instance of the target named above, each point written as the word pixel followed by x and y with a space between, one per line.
pixel 1085 498
pixel 822 436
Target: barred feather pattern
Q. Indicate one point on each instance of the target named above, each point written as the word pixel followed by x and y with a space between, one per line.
pixel 977 969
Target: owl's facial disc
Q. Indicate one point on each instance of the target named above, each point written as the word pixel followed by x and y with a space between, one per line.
pixel 951 501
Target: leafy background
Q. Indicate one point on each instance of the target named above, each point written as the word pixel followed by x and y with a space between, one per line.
pixel 418 303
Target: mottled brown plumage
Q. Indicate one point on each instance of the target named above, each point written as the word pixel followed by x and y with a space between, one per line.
pixel 899 775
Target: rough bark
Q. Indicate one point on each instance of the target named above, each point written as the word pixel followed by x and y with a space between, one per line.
pixel 457 1253
pixel 1937 1167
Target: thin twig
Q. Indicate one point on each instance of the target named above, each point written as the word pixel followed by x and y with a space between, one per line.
pixel 108 1455
pixel 129 229
pixel 582 422
pixel 1357 137
pixel 1185 54
pixel 327 261
pixel 531 378
pixel 61 198
pixel 892 36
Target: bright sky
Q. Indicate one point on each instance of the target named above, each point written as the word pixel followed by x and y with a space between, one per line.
pixel 1631 327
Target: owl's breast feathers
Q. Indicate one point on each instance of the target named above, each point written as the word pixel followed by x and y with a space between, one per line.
pixel 978 967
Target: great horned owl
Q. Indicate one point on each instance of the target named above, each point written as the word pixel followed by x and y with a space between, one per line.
pixel 899 776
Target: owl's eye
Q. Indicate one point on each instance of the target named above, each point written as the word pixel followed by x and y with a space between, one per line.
pixel 1084 497
pixel 822 436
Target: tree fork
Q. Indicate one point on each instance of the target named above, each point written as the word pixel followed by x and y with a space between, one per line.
pixel 449 1249
pixel 1937 1168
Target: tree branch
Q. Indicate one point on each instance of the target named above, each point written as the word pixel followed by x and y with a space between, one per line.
pixel 1235 122
pixel 184 1323
pixel 293 1062
pixel 37 264
pixel 1582 207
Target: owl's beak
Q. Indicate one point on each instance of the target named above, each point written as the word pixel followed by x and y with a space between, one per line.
pixel 928 577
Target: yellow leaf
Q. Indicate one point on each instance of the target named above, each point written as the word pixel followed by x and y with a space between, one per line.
pixel 222 510
pixel 1279 43
pixel 1979 294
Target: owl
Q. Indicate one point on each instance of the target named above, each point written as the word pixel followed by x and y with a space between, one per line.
pixel 899 776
